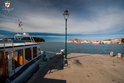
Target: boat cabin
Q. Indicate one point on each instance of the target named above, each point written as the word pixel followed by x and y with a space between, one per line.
pixel 16 56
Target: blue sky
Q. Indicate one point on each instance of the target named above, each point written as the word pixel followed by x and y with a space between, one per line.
pixel 89 19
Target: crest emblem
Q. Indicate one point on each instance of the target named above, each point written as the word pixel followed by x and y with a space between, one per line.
pixel 7 4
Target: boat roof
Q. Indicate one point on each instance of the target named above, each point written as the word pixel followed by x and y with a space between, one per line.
pixel 17 43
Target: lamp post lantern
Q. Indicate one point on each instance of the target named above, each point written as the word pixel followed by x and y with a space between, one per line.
pixel 66 15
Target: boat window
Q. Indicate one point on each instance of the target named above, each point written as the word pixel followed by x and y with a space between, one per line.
pixel 34 52
pixel 28 54
pixel 18 58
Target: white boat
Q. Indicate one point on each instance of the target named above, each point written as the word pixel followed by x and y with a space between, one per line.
pixel 19 59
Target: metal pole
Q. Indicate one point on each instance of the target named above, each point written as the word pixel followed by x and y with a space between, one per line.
pixel 65 38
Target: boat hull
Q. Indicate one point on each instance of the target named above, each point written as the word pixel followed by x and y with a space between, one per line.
pixel 22 75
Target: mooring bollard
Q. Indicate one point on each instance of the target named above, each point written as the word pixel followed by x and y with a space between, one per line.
pixel 112 54
pixel 119 55
pixel 62 51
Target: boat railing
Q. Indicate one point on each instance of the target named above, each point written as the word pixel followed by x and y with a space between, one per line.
pixel 4 43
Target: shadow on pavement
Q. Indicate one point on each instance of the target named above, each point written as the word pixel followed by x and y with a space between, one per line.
pixel 57 63
pixel 46 80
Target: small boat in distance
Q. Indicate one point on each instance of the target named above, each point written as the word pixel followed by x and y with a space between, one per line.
pixel 18 58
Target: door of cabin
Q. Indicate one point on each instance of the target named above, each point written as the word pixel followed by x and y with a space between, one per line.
pixel 3 66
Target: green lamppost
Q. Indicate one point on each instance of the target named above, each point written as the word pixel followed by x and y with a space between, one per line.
pixel 66 15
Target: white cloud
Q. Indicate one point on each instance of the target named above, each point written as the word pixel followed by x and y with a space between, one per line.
pixel 43 23
pixel 10 26
pixel 104 21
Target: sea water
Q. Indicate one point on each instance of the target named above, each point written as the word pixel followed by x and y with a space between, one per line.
pixel 83 48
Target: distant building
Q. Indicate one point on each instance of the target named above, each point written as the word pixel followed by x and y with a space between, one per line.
pixel 74 40
pixel 107 41
pixel 118 41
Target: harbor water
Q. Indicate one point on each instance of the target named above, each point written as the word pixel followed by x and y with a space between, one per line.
pixel 84 48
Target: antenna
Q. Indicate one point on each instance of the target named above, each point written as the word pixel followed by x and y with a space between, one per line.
pixel 20 25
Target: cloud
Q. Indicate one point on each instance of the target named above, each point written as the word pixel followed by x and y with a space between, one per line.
pixel 43 23
pixel 10 26
pixel 46 16
pixel 1 35
pixel 102 22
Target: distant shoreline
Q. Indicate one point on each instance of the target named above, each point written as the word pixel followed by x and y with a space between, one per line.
pixel 106 41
